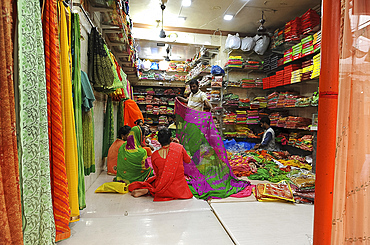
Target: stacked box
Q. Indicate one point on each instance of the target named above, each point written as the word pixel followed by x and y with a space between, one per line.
pixel 266 83
pixel 293 30
pixel 296 76
pixel 288 55
pixel 288 72
pixel 272 81
pixel 307 45
pixel 297 51
pixel 307 68
pixel 317 41
pixel 279 78
pixel 309 20
pixel 316 66
pixel 277 39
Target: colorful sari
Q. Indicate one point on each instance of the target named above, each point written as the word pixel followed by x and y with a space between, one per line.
pixel 131 158
pixel 132 113
pixel 209 171
pixel 169 182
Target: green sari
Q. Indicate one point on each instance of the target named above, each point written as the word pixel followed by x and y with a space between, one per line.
pixel 131 159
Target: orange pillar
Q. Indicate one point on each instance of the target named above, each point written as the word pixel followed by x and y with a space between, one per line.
pixel 326 136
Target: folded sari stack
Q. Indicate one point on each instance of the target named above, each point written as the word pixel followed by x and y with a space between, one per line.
pixel 272 100
pixel 241 117
pixel 293 30
pixel 277 39
pixel 288 72
pixel 244 104
pixel 309 21
pixel 307 46
pixel 307 68
pixel 235 62
pixel 317 41
pixel 316 66
pixel 288 55
pixel 230 118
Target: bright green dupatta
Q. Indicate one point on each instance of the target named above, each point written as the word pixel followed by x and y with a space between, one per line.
pixel 131 159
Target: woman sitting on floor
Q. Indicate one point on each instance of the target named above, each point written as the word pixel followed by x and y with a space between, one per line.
pixel 131 165
pixel 169 182
pixel 114 148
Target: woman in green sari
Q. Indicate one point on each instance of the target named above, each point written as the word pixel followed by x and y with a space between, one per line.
pixel 131 159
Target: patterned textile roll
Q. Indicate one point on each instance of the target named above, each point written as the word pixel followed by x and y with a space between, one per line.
pixel 10 201
pixel 69 130
pixel 38 225
pixel 59 185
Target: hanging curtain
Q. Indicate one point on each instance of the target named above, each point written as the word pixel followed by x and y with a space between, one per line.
pixel 38 226
pixel 351 200
pixel 69 130
pixel 10 199
pixel 59 184
pixel 77 104
pixel 108 133
pixel 210 172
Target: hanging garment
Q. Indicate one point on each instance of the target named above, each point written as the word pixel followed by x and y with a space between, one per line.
pixel 59 184
pixel 120 117
pixel 10 201
pixel 100 65
pixel 88 141
pixel 38 226
pixel 88 96
pixel 131 160
pixel 210 171
pixel 132 113
pixel 108 131
pixel 69 130
pixel 77 105
pixel 169 181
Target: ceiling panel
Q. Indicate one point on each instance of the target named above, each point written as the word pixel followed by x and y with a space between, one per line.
pixel 208 14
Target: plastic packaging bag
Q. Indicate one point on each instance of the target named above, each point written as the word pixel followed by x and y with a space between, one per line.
pixel 248 44
pixel 146 65
pixel 113 187
pixel 232 41
pixel 262 43
pixel 217 70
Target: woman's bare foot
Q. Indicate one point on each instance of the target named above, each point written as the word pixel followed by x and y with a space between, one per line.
pixel 139 192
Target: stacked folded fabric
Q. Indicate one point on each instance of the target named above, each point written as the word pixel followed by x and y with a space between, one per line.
pixel 266 83
pixel 274 60
pixel 170 110
pixel 148 120
pixel 149 109
pixel 244 103
pixel 155 110
pixel 296 76
pixel 258 83
pixel 280 62
pixel 291 100
pixel 266 64
pixel 307 45
pixel 262 102
pixel 281 100
pixel 272 81
pixel 171 101
pixel 241 117
pixel 231 100
pixel 163 101
pixel 235 62
pixel 156 101
pixel 309 20
pixel 163 110
pixel 233 83
pixel 297 122
pixel 150 91
pixel 275 117
pixel 272 100
pixel 297 51
pixel 293 30
pixel 303 102
pixel 162 120
pixel 317 41
pixel 316 66
pixel 288 72
pixel 252 64
pixel 279 80
pixel 307 68
pixel 140 99
pixel 247 83
pixel 230 118
pixel 288 55
pixel 277 39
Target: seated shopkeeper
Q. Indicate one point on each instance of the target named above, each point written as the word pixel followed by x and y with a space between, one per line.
pixel 131 161
pixel 169 182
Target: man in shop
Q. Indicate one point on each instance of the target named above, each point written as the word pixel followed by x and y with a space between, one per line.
pixel 268 139
pixel 197 99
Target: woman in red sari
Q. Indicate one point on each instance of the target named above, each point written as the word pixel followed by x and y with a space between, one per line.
pixel 169 182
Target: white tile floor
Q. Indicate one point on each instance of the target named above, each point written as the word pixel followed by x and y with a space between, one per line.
pixel 121 219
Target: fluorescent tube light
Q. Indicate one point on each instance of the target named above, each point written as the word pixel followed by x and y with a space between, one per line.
pixel 228 17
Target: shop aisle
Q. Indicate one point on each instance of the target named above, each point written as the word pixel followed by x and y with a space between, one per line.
pixel 117 219
pixel 121 219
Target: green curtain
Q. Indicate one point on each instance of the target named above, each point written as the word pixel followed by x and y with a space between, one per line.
pixel 77 104
pixel 120 119
pixel 88 141
pixel 37 209
pixel 108 131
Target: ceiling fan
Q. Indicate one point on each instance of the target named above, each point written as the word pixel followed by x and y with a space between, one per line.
pixel 261 29
pixel 162 34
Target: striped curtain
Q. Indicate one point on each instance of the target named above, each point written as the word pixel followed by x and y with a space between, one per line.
pixel 59 184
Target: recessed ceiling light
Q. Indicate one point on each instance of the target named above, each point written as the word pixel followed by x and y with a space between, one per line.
pixel 186 3
pixel 228 17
